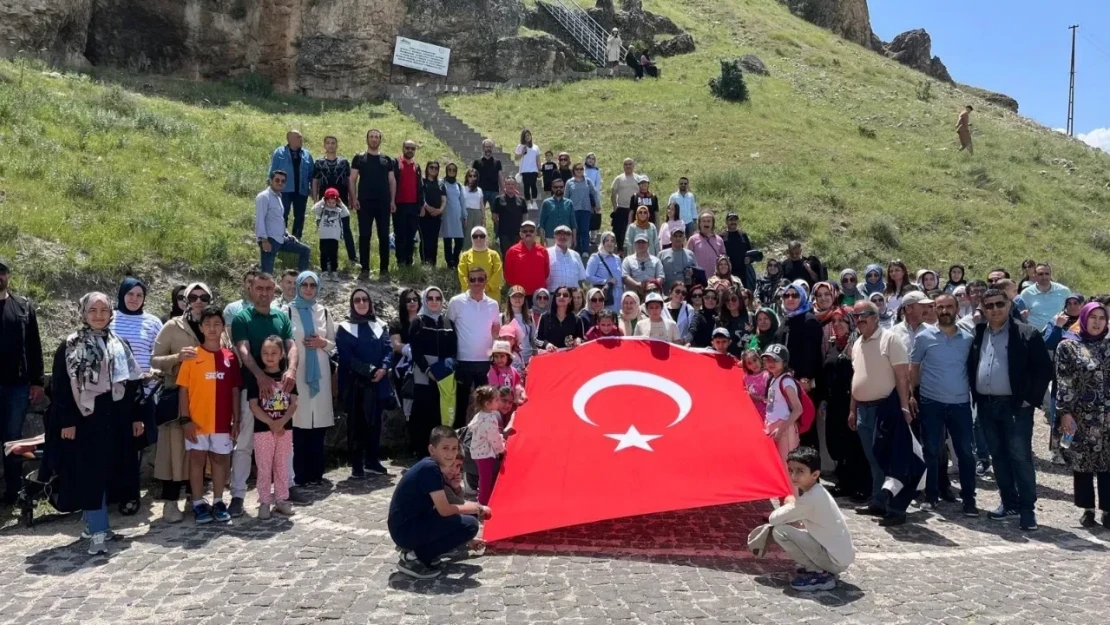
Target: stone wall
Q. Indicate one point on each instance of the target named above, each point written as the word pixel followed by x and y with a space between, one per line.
pixel 54 29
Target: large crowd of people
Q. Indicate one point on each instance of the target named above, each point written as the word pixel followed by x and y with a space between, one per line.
pixel 858 366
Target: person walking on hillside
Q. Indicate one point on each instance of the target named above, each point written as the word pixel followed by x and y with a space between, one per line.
pixel 269 226
pixel 613 47
pixel 21 373
pixel 509 211
pixel 373 188
pixel 491 176
pixel 410 201
pixel 334 172
pixel 293 159
pixel 624 188
pixel 963 130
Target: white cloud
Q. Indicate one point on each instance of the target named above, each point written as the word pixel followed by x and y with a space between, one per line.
pixel 1099 138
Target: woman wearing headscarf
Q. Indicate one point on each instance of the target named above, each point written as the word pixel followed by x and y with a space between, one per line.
pixel 927 281
pixel 956 277
pixel 849 288
pixel 801 334
pixel 177 303
pixel 768 283
pixel 431 342
pixel 722 276
pixel 314 333
pixel 139 329
pixel 365 357
pixel 604 270
pixel 765 327
pixel 852 471
pixel 595 303
pixel 95 381
pixel 701 328
pixel 1082 397
pixel 408 306
pixel 479 255
pixel 1065 322
pixel 886 317
pixel 541 303
pixel 630 315
pixel 177 342
pixel 873 280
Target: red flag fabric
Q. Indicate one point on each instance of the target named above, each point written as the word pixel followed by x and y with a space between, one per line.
pixel 622 427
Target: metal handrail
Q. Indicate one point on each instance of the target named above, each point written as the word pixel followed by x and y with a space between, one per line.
pixel 582 27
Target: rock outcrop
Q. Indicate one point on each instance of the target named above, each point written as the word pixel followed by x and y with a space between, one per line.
pixel 682 44
pixel 754 64
pixel 848 18
pixel 53 29
pixel 913 48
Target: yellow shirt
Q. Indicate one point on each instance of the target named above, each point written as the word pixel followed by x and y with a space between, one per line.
pixel 488 260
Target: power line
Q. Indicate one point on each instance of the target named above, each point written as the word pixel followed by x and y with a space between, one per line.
pixel 1096 45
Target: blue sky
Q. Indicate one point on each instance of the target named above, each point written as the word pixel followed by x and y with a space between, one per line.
pixel 1020 48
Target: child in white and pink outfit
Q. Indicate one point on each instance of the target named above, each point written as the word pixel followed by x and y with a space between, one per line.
pixel 755 380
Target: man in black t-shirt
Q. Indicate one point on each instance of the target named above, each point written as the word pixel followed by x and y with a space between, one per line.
pixel 509 211
pixel 373 187
pixel 797 267
pixel 334 172
pixel 490 176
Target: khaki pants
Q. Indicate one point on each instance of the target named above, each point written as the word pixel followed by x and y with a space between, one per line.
pixel 804 549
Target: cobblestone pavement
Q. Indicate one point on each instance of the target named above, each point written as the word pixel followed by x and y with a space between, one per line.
pixel 333 562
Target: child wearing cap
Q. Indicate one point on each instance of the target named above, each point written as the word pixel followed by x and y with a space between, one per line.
pixel 486 442
pixel 330 213
pixel 502 373
pixel 784 407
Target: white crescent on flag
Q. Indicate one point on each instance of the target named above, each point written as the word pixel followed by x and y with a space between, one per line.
pixel 643 379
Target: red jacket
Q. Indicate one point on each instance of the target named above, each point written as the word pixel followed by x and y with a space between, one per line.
pixel 527 268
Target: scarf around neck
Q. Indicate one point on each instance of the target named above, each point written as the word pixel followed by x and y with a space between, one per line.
pixel 305 308
pixel 97 361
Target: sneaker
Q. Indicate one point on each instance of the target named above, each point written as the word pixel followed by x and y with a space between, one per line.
pixel 297 497
pixel 971 510
pixel 1028 521
pixel 357 476
pixel 892 519
pixel 202 513
pixel 948 496
pixel 236 507
pixel 1087 519
pixel 264 511
pixel 98 543
pixel 416 569
pixel 1001 513
pixel 813 582
pixel 220 513
pixel 378 468
pixel 927 506
pixel 284 508
pixel 870 510
pixel 171 513
pixel 109 535
pixel 982 467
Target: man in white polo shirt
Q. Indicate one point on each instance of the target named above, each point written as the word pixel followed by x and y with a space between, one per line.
pixel 566 264
pixel 477 321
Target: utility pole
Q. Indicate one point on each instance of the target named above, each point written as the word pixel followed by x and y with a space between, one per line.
pixel 1071 86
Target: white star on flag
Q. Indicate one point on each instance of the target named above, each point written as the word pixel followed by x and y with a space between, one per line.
pixel 633 438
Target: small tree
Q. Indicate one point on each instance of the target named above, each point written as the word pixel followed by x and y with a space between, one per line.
pixel 730 85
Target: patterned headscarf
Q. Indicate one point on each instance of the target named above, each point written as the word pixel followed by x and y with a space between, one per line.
pixel 97 360
pixel 1085 318
pixel 803 302
pixel 305 309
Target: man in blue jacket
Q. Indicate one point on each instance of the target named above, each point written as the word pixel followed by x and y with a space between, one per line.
pixel 297 162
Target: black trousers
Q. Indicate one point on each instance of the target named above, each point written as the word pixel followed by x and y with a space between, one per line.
pixel 371 214
pixel 329 255
pixel 429 239
pixel 308 455
pixel 424 417
pixel 531 191
pixel 452 248
pixel 619 221
pixel 349 240
pixel 1085 490
pixel 364 435
pixel 469 375
pixel 405 225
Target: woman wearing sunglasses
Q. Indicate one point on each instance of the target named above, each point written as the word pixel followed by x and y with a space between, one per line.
pixel 595 303
pixel 802 335
pixel 560 327
pixel 431 342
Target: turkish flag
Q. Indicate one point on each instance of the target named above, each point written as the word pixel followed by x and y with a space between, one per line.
pixel 622 427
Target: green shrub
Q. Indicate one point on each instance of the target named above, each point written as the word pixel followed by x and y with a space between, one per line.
pixel 925 90
pixel 730 84
pixel 866 132
pixel 883 229
pixel 253 84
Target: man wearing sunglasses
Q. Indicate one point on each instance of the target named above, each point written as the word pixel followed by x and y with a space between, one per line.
pixel 880 396
pixel 269 226
pixel 566 268
pixel 526 263
pixel 1009 369
pixel 476 319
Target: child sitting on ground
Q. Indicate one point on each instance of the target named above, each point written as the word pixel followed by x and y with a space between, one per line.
pixel 272 408
pixel 453 483
pixel 822 546
pixel 209 409
pixel 755 380
pixel 606 326
pixel 330 213
pixel 423 532
pixel 486 440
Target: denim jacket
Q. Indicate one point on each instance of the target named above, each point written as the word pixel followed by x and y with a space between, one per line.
pixel 283 160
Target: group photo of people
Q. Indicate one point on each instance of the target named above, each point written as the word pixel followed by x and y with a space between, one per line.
pixel 849 370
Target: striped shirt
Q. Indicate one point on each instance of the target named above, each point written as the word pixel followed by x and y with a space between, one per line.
pixel 139 331
pixel 566 269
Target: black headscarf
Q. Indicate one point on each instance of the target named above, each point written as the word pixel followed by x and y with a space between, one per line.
pixel 175 309
pixel 352 315
pixel 125 287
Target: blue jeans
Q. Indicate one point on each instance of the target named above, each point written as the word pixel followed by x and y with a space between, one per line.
pixel 489 197
pixel 97 520
pixel 1010 437
pixel 956 418
pixel 867 420
pixel 14 401
pixel 582 231
pixel 299 205
pixel 982 452
pixel 303 252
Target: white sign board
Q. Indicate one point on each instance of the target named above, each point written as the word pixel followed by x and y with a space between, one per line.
pixel 422 56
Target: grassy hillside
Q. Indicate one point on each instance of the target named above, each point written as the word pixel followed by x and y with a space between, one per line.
pixel 113 173
pixel 837 147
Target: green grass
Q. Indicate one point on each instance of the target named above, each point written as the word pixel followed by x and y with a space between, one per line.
pixel 110 174
pixel 836 148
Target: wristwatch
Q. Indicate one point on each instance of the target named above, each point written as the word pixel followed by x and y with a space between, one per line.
pixel 184 420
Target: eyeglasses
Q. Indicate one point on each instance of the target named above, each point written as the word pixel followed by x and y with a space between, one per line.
pixel 863 315
pixel 696 296
pixel 204 297
pixel 361 300
pixel 435 298
pixel 528 231
pixel 478 236
pixel 578 169
pixel 181 298
pixel 791 296
pixel 597 300
pixel 562 296
pixel 541 298
pixel 309 285
pixel 412 300
pixel 848 281
pixel 681 292
pixel 476 279
pixel 994 305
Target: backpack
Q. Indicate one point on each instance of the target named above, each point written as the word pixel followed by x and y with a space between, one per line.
pixel 809 413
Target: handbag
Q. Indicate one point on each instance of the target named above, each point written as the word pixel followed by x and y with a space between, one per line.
pixel 607 289
pixel 165 405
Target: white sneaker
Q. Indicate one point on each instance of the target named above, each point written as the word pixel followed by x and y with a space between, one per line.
pixel 264 511
pixel 98 544
pixel 85 535
pixel 171 513
pixel 285 508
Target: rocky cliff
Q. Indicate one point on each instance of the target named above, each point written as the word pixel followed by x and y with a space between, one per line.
pixel 847 18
